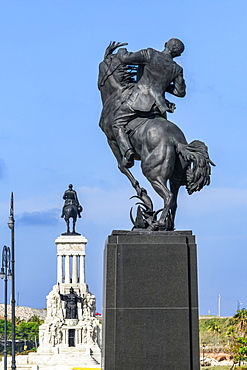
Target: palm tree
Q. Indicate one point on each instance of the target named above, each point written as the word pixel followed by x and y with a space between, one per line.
pixel 240 321
pixel 36 319
pixel 230 331
pixel 18 320
pixel 214 328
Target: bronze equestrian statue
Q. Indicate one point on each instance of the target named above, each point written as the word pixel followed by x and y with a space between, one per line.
pixel 71 208
pixel 134 119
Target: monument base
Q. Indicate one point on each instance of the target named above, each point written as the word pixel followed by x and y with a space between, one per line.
pixel 150 301
pixel 66 360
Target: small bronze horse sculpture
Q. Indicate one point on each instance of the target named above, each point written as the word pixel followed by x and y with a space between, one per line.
pixel 70 211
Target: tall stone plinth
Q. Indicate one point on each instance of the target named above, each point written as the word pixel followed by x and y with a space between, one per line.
pixel 150 301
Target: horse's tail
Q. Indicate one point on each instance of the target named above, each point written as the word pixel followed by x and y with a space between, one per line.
pixel 199 169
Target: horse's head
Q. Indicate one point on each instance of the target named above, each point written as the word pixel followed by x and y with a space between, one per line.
pixel 113 76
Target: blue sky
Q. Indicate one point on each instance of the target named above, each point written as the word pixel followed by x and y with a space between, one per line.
pixel 50 108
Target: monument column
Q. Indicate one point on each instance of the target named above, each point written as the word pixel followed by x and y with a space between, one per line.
pixel 74 270
pixel 82 269
pixel 71 248
pixel 59 268
pixel 67 269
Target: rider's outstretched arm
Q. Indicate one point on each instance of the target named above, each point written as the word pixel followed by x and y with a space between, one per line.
pixel 126 57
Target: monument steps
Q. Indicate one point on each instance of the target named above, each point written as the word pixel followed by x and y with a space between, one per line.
pixel 77 358
pixel 63 366
pixel 50 362
pixel 72 360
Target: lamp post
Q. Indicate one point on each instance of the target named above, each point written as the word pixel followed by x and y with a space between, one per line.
pixel 11 225
pixel 5 274
pixel 203 358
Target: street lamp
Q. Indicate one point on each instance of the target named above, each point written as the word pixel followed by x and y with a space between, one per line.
pixel 11 225
pixel 203 358
pixel 5 274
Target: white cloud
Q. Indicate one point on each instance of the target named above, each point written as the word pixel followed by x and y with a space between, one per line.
pixel 103 205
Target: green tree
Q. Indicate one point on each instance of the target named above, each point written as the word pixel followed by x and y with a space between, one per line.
pixel 36 319
pixel 27 331
pixel 239 335
pixel 214 328
pixel 18 320
pixel 239 349
pixel 240 322
pixel 230 331
pixel 2 329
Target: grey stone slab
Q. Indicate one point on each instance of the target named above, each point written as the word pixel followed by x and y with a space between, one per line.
pixel 145 339
pixel 109 345
pixel 192 259
pixel 142 272
pixel 146 232
pixel 110 276
pixel 134 237
pixel 195 338
pixel 151 304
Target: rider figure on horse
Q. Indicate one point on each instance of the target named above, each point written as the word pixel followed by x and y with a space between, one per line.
pixel 70 197
pixel 157 73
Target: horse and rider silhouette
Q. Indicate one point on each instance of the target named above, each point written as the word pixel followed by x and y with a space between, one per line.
pixel 71 208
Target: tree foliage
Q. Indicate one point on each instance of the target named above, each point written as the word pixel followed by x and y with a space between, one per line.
pixel 240 322
pixel 239 349
pixel 36 319
pixel 25 331
pixel 239 336
pixel 214 328
pixel 2 329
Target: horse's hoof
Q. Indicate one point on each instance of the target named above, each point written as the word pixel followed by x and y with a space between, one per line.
pixel 158 226
pixel 153 227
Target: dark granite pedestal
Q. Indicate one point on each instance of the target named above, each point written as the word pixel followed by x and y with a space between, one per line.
pixel 150 308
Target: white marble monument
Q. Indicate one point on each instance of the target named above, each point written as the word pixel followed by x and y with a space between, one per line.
pixel 71 334
pixel 80 331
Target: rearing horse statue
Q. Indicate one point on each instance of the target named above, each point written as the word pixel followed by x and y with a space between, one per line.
pixel 160 146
